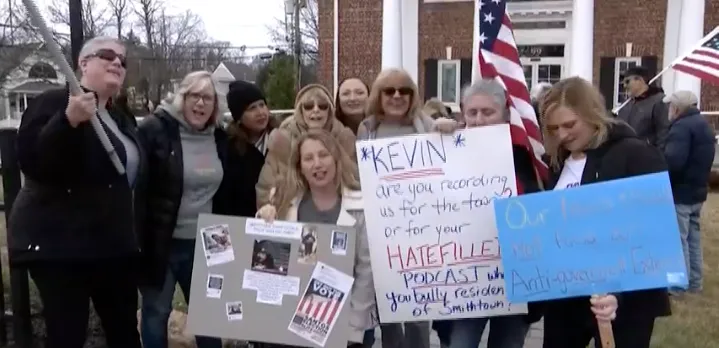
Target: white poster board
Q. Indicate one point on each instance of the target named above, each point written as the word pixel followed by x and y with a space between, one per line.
pixel 430 221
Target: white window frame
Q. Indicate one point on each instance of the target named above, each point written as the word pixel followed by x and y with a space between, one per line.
pixel 440 64
pixel 618 74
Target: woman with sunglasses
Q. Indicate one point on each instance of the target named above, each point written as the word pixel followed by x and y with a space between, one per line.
pixel 394 108
pixel 73 224
pixel 313 110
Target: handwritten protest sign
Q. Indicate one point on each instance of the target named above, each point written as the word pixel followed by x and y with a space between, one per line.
pixel 619 235
pixel 432 235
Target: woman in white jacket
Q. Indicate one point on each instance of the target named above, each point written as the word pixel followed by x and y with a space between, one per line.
pixel 321 185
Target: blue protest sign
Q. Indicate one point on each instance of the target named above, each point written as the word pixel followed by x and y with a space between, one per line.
pixel 614 236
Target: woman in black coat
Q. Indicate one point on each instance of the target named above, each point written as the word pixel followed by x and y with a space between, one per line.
pixel 73 223
pixel 586 145
pixel 193 169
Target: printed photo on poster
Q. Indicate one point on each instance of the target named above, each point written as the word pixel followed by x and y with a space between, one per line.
pixel 339 243
pixel 308 245
pixel 214 285
pixel 271 257
pixel 234 310
pixel 217 244
pixel 321 304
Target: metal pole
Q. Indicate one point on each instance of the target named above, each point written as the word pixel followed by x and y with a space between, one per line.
pixel 77 36
pixel 298 45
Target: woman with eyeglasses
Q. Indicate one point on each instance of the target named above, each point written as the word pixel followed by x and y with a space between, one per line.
pixel 187 156
pixel 74 223
pixel 394 108
pixel 313 110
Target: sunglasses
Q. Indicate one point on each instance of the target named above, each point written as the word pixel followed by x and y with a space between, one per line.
pixel 109 55
pixel 391 91
pixel 307 106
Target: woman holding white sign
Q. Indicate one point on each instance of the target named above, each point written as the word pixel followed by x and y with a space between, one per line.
pixel 394 108
pixel 322 186
pixel 484 103
pixel 586 145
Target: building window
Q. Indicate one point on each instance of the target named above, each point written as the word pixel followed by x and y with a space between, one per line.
pixel 42 70
pixel 621 65
pixel 448 80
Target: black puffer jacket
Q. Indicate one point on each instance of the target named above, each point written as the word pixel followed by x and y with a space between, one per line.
pixel 160 135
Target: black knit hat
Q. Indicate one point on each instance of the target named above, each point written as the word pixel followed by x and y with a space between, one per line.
pixel 637 71
pixel 240 95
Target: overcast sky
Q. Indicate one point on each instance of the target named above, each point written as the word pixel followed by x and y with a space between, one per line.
pixel 242 22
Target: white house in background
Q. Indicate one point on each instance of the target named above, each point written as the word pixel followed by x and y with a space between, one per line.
pixel 227 72
pixel 31 72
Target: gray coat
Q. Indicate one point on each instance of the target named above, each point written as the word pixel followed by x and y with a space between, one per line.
pixel 648 115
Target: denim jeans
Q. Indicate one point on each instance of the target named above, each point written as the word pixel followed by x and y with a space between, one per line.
pixel 405 335
pixel 688 216
pixel 157 303
pixel 504 332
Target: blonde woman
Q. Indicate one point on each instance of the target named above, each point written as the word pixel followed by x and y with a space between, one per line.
pixel 321 186
pixel 586 145
pixel 187 160
pixel 394 109
pixel 313 110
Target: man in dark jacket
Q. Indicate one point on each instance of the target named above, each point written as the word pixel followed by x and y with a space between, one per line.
pixel 645 112
pixel 689 151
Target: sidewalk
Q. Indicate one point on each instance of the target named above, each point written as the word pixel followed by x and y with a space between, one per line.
pixel 534 338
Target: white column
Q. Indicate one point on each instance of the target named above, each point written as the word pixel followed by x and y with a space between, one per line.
pixel 582 45
pixel 391 34
pixel 410 38
pixel 690 32
pixel 671 42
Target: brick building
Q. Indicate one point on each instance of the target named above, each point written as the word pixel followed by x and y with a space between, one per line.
pixel 437 38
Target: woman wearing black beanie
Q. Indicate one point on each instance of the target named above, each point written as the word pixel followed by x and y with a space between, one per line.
pixel 251 124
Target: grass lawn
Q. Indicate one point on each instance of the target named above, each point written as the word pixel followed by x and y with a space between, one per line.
pixel 695 318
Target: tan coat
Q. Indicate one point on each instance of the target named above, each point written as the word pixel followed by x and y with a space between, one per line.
pixel 363 305
pixel 280 148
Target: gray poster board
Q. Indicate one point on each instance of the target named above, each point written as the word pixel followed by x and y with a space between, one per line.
pixel 212 312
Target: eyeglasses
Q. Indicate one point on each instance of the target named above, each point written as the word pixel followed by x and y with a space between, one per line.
pixel 391 91
pixel 309 105
pixel 109 55
pixel 195 97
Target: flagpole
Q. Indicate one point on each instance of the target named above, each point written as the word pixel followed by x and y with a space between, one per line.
pixel 673 63
pixel 475 43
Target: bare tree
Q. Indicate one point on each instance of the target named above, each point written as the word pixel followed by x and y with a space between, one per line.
pixel 282 31
pixel 120 11
pixel 17 39
pixel 95 17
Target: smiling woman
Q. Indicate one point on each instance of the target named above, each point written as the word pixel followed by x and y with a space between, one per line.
pixel 75 221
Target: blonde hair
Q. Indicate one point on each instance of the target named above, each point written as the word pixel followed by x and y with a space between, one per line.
pixel 374 101
pixel 434 107
pixel 313 91
pixel 293 184
pixel 583 99
pixel 193 82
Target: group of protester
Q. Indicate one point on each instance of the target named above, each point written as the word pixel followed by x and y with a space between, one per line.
pixel 86 232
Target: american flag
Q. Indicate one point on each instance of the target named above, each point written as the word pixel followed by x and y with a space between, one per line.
pixel 323 308
pixel 498 58
pixel 703 61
